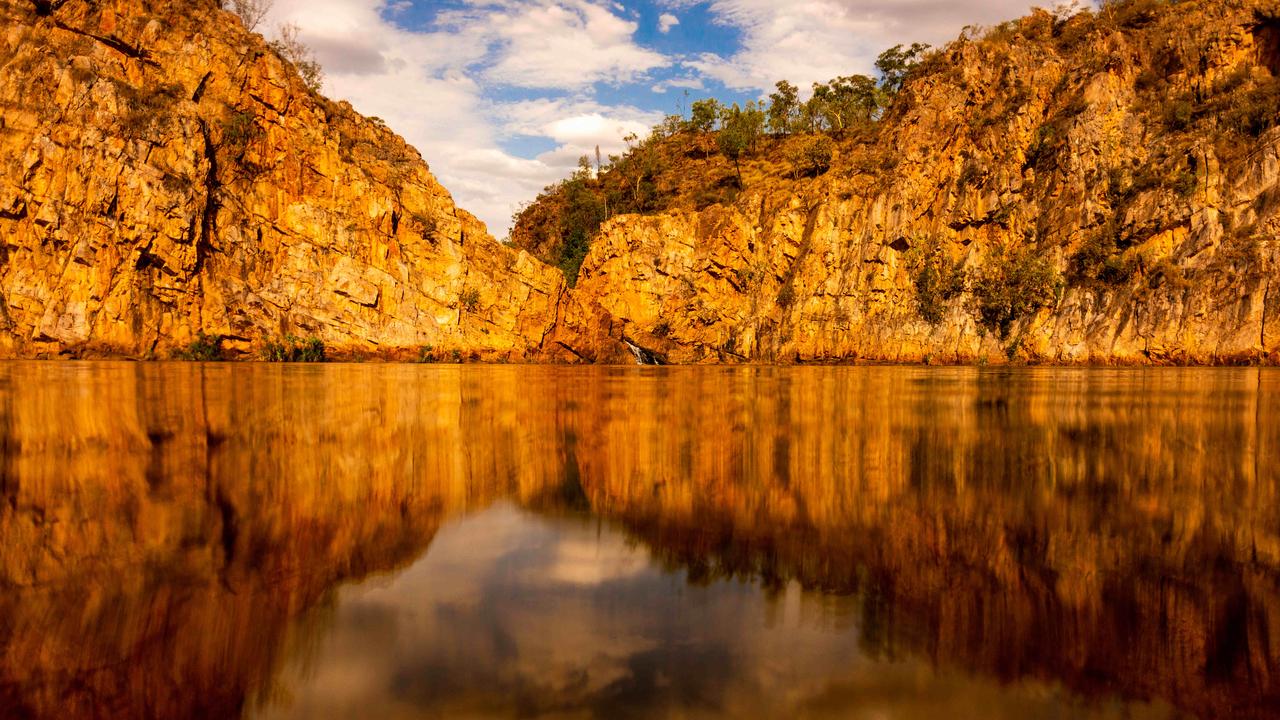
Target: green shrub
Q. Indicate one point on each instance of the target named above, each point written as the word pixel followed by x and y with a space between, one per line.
pixel 293 349
pixel 1044 147
pixel 469 299
pixel 1168 276
pixel 813 156
pixel 1254 112
pixel 1098 259
pixel 1178 114
pixel 937 282
pixel 205 348
pixel 1012 286
pixel 786 296
pixel 239 129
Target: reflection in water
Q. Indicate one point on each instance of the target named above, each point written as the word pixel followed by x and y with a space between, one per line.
pixel 843 542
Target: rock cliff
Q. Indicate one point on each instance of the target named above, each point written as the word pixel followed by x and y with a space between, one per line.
pixel 1094 188
pixel 1098 188
pixel 167 174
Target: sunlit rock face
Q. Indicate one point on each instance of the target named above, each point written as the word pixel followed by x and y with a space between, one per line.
pixel 1105 146
pixel 174 534
pixel 167 174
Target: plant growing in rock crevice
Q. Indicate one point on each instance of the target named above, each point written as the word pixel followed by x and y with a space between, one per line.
pixel 937 280
pixel 1011 286
pixel 469 299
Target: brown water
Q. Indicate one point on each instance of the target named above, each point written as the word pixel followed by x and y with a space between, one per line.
pixel 223 541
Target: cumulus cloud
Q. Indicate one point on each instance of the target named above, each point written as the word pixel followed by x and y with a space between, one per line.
pixel 432 85
pixel 563 44
pixel 484 75
pixel 817 40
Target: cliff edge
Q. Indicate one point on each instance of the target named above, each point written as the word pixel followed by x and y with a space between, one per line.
pixel 167 174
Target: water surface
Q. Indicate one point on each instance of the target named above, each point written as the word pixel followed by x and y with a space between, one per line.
pixel 222 541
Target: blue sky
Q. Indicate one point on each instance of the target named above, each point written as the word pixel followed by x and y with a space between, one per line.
pixel 503 96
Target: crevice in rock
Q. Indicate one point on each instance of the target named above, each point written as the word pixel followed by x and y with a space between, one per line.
pixel 199 93
pixel 45 8
pixel 1262 330
pixel 209 215
pixel 1267 32
pixel 806 246
pixel 576 354
pixel 114 43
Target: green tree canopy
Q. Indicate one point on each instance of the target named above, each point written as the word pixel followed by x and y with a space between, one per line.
pixel 704 115
pixel 784 108
pixel 896 63
pixel 740 128
pixel 844 103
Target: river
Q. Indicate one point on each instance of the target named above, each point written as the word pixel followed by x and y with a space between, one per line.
pixel 422 541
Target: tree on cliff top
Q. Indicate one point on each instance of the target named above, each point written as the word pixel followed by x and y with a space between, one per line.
pixel 289 47
pixel 896 63
pixel 740 128
pixel 251 12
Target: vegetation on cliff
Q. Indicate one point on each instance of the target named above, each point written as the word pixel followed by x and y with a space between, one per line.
pixel 699 160
pixel 1072 185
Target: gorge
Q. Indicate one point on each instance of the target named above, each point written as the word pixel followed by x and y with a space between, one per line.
pixel 1100 188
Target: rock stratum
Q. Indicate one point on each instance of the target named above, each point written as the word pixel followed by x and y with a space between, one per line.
pixel 1098 188
pixel 167 174
pixel 1107 182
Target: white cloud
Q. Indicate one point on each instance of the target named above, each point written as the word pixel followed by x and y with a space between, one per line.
pixel 562 44
pixel 816 40
pixel 686 83
pixel 430 86
pixel 434 86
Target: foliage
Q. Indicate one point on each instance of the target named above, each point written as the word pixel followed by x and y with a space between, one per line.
pixel 937 281
pixel 1255 111
pixel 812 156
pixel 843 103
pixel 896 64
pixel 704 115
pixel 784 108
pixel 1011 286
pixel 1101 260
pixel 251 12
pixel 293 350
pixel 205 348
pixel 585 210
pixel 239 130
pixel 739 132
pixel 292 49
pixel 146 108
pixel 469 299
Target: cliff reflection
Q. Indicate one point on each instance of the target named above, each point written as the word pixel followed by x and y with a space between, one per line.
pixel 173 536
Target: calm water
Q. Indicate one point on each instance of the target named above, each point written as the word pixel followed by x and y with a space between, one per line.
pixel 224 541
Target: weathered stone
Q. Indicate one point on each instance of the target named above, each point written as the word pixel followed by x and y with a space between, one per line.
pixel 200 187
pixel 825 269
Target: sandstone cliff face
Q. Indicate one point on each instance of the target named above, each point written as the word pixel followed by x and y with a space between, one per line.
pixel 165 174
pixel 1131 153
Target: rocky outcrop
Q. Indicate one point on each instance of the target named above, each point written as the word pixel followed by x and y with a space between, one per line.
pixel 1098 189
pixel 1101 188
pixel 168 174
